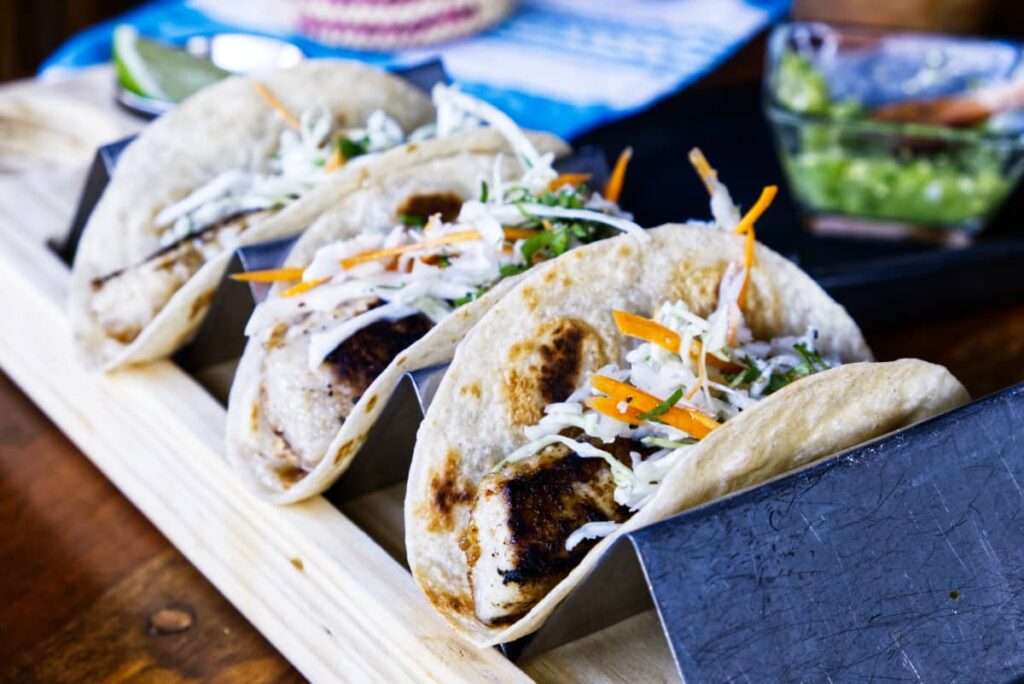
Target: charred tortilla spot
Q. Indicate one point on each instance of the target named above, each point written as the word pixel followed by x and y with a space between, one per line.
pixel 697 285
pixel 472 389
pixel 519 350
pixel 550 276
pixel 371 402
pixel 276 337
pixel 447 601
pixel 254 417
pixel 288 475
pixel 345 450
pixel 547 367
pixel 561 363
pixel 519 389
pixel 625 251
pixel 530 297
pixel 358 360
pixel 469 544
pixel 448 490
pixel 425 205
pixel 201 303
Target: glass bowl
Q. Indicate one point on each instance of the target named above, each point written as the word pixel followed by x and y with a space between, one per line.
pixel 859 119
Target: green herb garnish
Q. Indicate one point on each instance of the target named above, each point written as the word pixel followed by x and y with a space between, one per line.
pixel 412 220
pixel 350 149
pixel 668 443
pixel 747 376
pixel 484 191
pixel 663 407
pixel 472 296
pixel 512 269
pixel 811 363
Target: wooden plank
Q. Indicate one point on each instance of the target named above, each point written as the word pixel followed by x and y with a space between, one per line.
pixel 312 582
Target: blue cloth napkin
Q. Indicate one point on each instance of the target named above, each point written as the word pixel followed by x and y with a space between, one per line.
pixel 564 66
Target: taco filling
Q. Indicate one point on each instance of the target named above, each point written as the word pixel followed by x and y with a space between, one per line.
pixel 210 220
pixel 344 317
pixel 599 456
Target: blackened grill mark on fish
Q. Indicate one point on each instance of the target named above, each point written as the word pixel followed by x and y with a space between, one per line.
pixel 545 513
pixel 425 205
pixel 522 516
pixel 358 360
pixel 203 234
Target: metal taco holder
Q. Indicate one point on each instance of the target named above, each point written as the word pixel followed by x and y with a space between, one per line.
pixel 903 556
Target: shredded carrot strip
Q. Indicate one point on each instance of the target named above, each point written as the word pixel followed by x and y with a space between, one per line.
pixel 271 275
pixel 461 236
pixel 707 173
pixel 645 329
pixel 303 287
pixel 613 188
pixel 746 227
pixel 335 161
pixel 610 408
pixel 688 420
pixel 568 179
pixel 275 104
pixel 702 375
pixel 763 202
pixel 513 234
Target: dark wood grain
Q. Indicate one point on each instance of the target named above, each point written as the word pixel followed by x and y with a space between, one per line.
pixel 82 573
pixel 984 349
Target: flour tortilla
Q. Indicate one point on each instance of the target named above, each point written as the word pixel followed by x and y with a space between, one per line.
pixel 457 164
pixel 225 126
pixel 493 389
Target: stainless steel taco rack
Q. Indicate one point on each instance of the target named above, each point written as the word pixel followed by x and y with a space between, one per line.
pixel 903 556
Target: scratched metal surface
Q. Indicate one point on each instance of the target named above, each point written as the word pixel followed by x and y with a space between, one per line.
pixel 900 561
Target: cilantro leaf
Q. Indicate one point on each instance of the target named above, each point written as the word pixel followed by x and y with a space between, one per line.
pixel 350 149
pixel 663 407
pixel 412 220
pixel 746 376
pixel 512 269
pixel 484 191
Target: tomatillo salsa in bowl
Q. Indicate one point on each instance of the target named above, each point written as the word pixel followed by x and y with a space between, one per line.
pixel 895 134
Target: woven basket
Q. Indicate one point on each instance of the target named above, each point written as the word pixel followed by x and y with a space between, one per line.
pixel 396 24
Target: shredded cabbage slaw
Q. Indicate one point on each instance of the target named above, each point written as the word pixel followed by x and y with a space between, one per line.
pixel 436 267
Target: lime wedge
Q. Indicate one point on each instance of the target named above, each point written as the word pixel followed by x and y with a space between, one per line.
pixel 151 69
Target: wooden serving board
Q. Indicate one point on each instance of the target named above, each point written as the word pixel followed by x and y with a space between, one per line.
pixel 323 585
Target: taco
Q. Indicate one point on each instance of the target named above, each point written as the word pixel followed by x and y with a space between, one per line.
pixel 209 176
pixel 388 280
pixel 620 384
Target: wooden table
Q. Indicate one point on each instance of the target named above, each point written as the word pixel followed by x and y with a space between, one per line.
pixel 91 591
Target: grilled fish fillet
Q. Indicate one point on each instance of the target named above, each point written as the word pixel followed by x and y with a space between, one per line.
pixel 522 516
pixel 125 301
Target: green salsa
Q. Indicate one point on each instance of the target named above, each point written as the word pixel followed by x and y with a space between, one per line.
pixel 839 161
